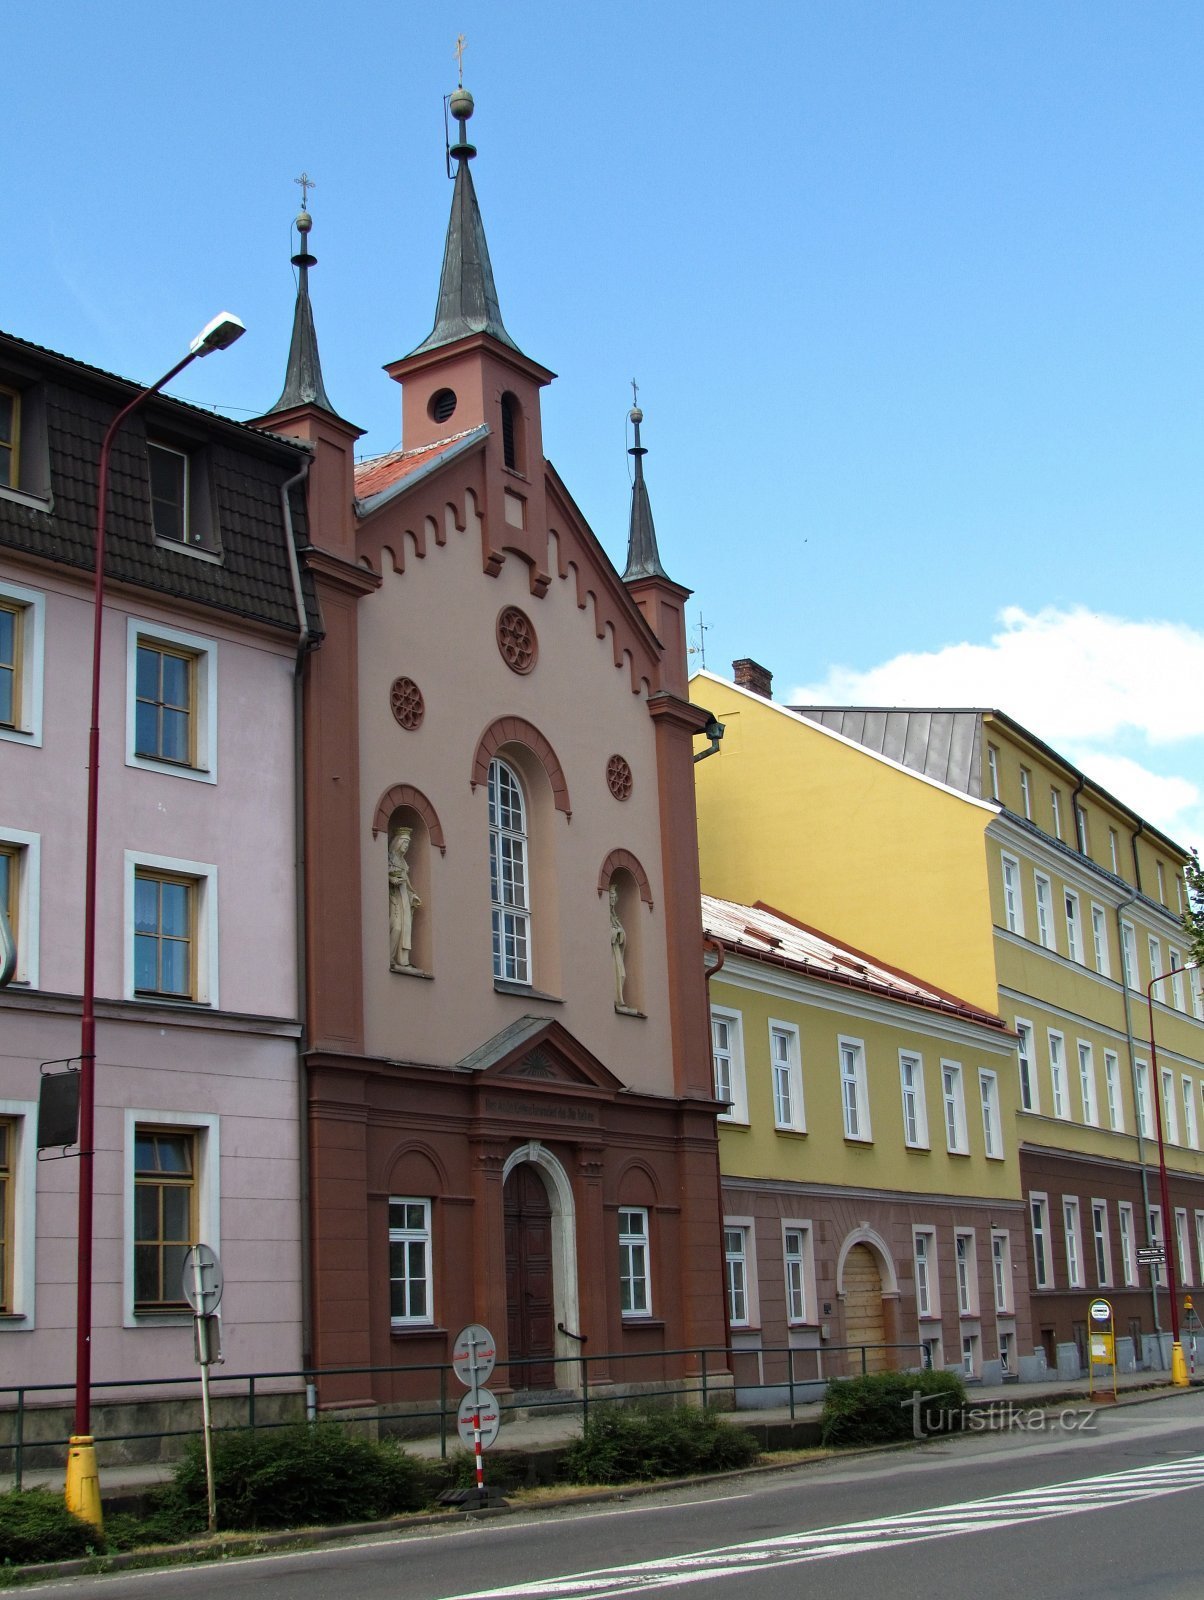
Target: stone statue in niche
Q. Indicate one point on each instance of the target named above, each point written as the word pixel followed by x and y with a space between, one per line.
pixel 403 901
pixel 618 946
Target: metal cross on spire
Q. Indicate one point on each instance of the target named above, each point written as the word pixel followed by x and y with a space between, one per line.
pixel 307 183
pixel 635 393
pixel 461 41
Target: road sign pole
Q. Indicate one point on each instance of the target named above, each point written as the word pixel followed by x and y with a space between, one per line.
pixel 202 1335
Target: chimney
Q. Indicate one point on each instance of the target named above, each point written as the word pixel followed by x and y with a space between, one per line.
pixel 751 675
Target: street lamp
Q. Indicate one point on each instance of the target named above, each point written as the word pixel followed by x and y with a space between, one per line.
pixel 1169 1232
pixel 83 1485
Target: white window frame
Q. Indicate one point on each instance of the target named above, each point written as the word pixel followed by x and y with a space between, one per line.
pixel 32 604
pixel 969 1355
pixel 1141 1088
pixel 745 1257
pixel 855 1110
pixel 1114 853
pixel 1161 870
pixel 23 1235
pixel 28 861
pixel 927 1281
pixel 1046 936
pixel 1072 1229
pixel 1013 900
pixel 966 1265
pixel 635 1262
pixel 1059 1092
pixel 1001 1270
pixel 510 920
pixel 1174 959
pixel 1116 1099
pixel 1074 926
pixel 1199 1221
pixel 1154 947
pixel 1128 1242
pixel 1191 1127
pixel 1197 991
pixel 1170 1111
pixel 1183 1247
pixel 953 1102
pixel 915 1106
pixel 1099 935
pixel 737 1081
pixel 204 709
pixel 993 770
pixel 1088 1089
pixel 1101 1238
pixel 1026 793
pixel 1038 1218
pixel 1027 1066
pixel 992 1122
pixel 425 1236
pixel 798 1271
pixel 1157 1236
pixel 1128 955
pixel 786 1077
pixel 207 1180
pixel 205 921
pixel 1080 822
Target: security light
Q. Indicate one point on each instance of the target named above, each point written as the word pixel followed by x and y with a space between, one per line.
pixel 218 334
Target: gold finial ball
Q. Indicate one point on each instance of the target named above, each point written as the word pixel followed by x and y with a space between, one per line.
pixel 304 222
pixel 636 415
pixel 461 104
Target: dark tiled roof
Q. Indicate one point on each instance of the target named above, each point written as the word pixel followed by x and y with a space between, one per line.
pixel 246 469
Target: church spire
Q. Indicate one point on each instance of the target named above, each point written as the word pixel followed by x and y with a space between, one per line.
pixel 468 300
pixel 303 384
pixel 643 558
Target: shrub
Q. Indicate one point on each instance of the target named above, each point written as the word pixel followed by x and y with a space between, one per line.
pixel 880 1407
pixel 621 1444
pixel 35 1525
pixel 295 1476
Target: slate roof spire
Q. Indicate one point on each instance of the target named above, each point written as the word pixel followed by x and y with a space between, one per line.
pixel 468 300
pixel 303 384
pixel 643 558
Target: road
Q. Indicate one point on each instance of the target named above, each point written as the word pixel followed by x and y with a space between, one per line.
pixel 1113 1512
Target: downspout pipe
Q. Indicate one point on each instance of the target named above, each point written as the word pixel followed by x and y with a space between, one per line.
pixel 707 974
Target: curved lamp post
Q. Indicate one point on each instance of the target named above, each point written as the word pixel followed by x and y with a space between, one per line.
pixel 83 1486
pixel 1170 1236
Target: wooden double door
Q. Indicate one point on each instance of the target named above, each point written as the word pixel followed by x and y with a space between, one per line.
pixel 864 1315
pixel 530 1308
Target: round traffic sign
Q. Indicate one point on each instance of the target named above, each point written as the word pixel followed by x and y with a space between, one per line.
pixel 1101 1311
pixel 490 1416
pixel 202 1279
pixel 474 1350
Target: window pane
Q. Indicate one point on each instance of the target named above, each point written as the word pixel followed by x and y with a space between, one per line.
pixel 175 978
pixel 174 1153
pixel 146 1273
pixel 175 898
pixel 146 729
pixel 174 746
pixel 173 1271
pixel 176 670
pixel 176 1212
pixel 146 970
pixel 146 1212
pixel 146 673
pixel 146 905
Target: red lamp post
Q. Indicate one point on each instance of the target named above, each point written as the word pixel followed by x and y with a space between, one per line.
pixel 1178 1364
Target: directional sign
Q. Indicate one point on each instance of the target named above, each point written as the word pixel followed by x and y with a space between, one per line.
pixel 202 1279
pixel 474 1352
pixel 1101 1311
pixel 1152 1255
pixel 491 1418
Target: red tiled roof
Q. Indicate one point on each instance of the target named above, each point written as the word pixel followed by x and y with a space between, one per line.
pixel 381 472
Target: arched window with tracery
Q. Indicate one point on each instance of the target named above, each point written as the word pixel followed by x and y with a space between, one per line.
pixel 509 882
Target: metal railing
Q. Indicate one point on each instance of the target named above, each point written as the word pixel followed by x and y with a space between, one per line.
pixel 700 1374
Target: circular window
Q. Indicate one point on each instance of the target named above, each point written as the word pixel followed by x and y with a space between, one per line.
pixel 443 404
pixel 406 703
pixel 516 639
pixel 618 778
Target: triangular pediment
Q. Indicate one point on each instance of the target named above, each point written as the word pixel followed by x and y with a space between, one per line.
pixel 539 1051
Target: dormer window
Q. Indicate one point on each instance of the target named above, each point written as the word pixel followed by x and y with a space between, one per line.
pixel 169 492
pixel 512 433
pixel 10 438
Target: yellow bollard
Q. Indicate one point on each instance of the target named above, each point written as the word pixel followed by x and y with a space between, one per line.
pixel 83 1481
pixel 1178 1366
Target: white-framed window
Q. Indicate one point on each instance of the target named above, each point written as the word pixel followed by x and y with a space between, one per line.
pixel 1157 1236
pixel 1116 1104
pixel 1087 1084
pixel 854 1091
pixel 1199 1220
pixel 411 1287
pixel 969 1354
pixel 182 511
pixel 1161 881
pixel 1038 1210
pixel 953 1096
pixel 170 929
pixel 1170 1112
pixel 1099 939
pixel 1102 1242
pixel 1113 851
pixel 1074 1242
pixel 928 1302
pixel 915 1110
pixel 170 701
pixel 1057 1076
pixel 18 1195
pixel 1045 927
pixel 21 897
pixel 992 1125
pixel 727 1049
pixel 1026 792
pixel 993 770
pixel 1175 960
pixel 1013 904
pixel 635 1285
pixel 1156 967
pixel 1191 1128
pixel 1141 1085
pixel 1001 1271
pixel 1055 806
pixel 1006 1341
pixel 1179 891
pixel 799 1269
pixel 1183 1249
pixel 1128 952
pixel 740 1271
pixel 1080 818
pixel 509 883
pixel 786 1065
pixel 1074 926
pixel 22 656
pixel 1030 1100
pixel 967 1273
pixel 1197 991
pixel 1128 1242
pixel 172 1200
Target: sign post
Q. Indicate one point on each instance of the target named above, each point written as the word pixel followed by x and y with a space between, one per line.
pixel 1102 1339
pixel 1192 1322
pixel 474 1356
pixel 203 1284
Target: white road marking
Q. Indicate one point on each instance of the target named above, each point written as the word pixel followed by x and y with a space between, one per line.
pixel 878 1533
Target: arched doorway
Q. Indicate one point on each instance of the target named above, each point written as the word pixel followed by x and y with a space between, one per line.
pixel 864 1317
pixel 530 1306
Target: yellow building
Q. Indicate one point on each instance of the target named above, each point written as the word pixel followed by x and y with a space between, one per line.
pixel 870 1171
pixel 957 844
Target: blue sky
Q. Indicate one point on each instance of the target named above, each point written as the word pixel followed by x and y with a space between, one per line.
pixel 912 291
